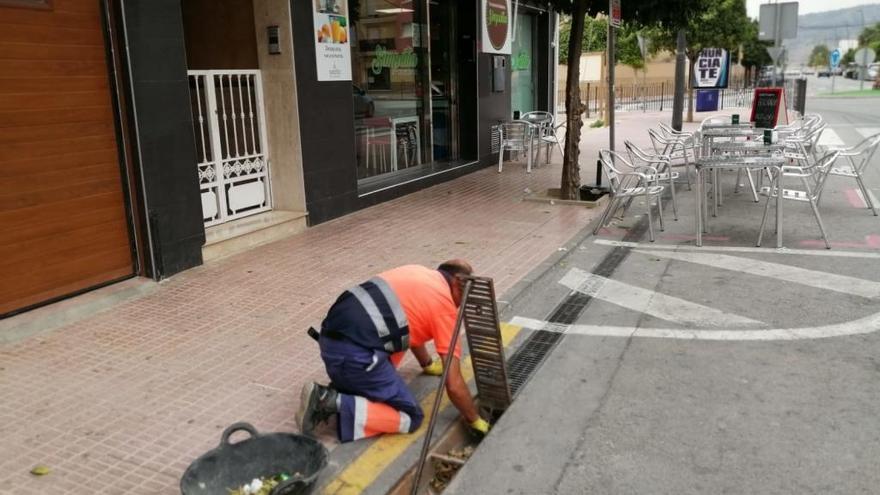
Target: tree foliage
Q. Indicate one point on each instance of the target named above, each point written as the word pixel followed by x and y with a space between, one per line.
pixel 754 51
pixel 870 37
pixel 595 39
pixel 820 56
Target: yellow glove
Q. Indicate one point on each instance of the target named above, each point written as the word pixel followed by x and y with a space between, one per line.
pixel 433 369
pixel 480 427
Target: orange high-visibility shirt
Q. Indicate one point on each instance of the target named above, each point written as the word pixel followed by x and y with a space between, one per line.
pixel 427 302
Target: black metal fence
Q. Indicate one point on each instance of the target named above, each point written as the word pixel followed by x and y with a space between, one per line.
pixel 654 97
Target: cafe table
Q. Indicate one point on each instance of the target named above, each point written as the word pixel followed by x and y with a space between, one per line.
pixel 749 148
pixel 712 163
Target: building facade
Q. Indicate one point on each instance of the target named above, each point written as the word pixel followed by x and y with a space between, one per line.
pixel 144 137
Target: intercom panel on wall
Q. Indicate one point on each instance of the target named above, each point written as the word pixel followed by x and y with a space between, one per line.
pixel 499 73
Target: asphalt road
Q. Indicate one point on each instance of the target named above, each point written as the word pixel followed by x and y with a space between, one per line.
pixel 722 369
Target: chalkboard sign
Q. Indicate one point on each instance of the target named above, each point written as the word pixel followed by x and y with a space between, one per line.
pixel 765 107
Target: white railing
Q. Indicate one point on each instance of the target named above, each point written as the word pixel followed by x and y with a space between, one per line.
pixel 230 125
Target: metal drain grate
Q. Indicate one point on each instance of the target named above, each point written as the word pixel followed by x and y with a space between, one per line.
pixel 529 356
pixel 538 345
pixel 485 345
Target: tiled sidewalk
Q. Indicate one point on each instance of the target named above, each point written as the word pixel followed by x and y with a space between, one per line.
pixel 123 401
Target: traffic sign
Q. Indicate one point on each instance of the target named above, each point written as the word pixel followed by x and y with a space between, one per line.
pixel 615 12
pixel 835 58
pixel 865 56
pixel 775 52
pixel 778 21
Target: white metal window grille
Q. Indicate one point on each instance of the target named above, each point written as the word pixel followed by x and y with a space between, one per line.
pixel 230 128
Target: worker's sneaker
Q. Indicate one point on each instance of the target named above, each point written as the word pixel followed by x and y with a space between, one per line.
pixel 317 404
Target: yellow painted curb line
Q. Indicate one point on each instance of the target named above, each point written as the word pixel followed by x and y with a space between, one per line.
pixel 364 470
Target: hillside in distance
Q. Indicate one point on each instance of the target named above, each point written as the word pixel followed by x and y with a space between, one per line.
pixel 829 28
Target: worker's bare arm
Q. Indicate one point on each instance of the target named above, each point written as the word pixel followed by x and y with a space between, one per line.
pixel 458 391
pixel 421 355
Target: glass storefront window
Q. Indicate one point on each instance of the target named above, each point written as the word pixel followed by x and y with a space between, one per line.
pixel 390 77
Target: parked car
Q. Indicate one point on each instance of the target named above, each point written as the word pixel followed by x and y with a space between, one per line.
pixel 824 72
pixel 872 71
pixel 837 71
pixel 808 71
pixel 851 71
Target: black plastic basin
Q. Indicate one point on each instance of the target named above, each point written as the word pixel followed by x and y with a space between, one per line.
pixel 232 465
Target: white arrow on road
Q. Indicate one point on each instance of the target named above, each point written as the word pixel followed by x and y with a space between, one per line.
pixel 777 271
pixel 653 303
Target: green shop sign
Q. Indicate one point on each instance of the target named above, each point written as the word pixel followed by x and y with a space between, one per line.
pixel 521 61
pixel 497 17
pixel 385 59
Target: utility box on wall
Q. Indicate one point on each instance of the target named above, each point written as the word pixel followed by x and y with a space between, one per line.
pixel 499 73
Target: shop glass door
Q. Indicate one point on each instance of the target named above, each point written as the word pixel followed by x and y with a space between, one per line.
pixel 522 66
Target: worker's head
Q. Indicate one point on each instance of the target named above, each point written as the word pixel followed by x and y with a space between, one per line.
pixel 454 270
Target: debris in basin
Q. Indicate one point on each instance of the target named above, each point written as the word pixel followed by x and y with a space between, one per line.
pixel 446 466
pixel 261 486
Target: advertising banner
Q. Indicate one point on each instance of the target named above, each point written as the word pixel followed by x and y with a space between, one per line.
pixel 712 69
pixel 497 26
pixel 332 50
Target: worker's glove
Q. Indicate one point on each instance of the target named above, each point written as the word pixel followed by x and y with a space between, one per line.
pixel 433 369
pixel 479 428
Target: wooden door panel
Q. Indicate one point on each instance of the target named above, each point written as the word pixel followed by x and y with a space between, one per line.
pixel 63 225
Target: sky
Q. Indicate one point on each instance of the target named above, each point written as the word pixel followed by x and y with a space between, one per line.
pixel 810 6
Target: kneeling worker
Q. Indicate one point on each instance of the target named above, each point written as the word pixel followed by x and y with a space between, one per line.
pixel 363 339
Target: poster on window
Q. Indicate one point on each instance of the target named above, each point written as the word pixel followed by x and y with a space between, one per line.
pixel 711 69
pixel 497 26
pixel 332 51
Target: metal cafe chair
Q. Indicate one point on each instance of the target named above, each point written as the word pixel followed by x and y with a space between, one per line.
pixel 669 132
pixel 406 142
pixel 377 142
pixel 858 157
pixel 515 136
pixel 680 149
pixel 628 182
pixel 548 131
pixel 661 163
pixel 813 175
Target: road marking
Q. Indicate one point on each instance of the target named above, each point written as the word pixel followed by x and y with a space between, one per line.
pixel 855 198
pixel 868 324
pixel 872 241
pixel 653 303
pixel 870 196
pixel 734 249
pixel 830 138
pixel 811 278
pixel 868 131
pixel 363 471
